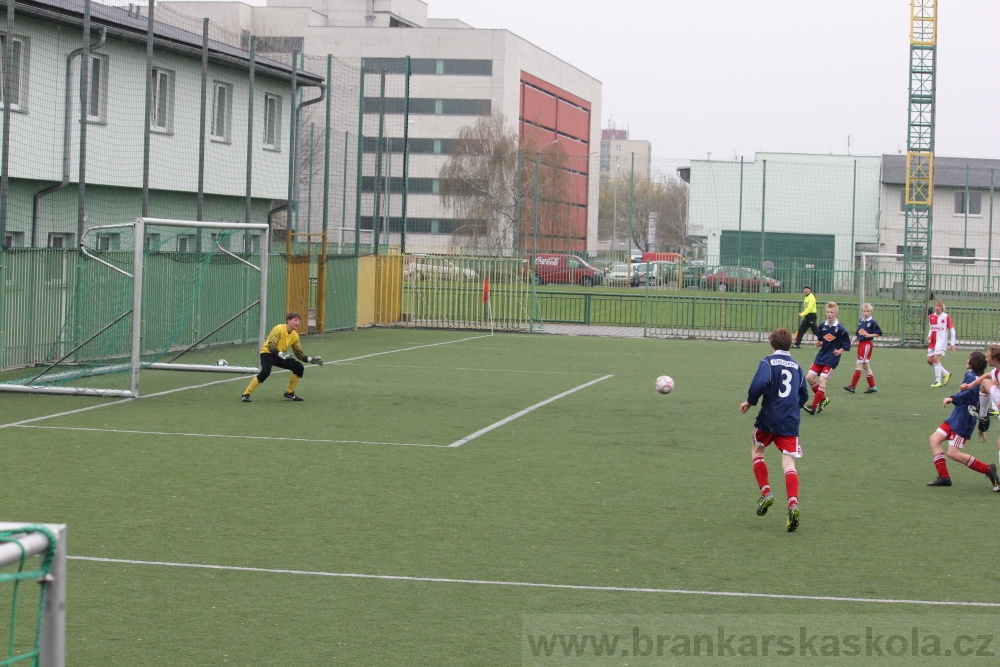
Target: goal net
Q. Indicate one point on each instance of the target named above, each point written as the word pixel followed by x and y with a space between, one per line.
pixel 33 555
pixel 157 294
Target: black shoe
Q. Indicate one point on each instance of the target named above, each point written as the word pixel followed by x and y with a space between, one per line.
pixel 850 389
pixel 292 396
pixel 763 503
pixel 822 405
pixel 246 398
pixel 940 481
pixel 984 424
pixel 992 475
pixel 810 409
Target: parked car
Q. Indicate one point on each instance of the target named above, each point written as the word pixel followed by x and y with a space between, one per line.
pixel 693 271
pixel 565 269
pixel 437 268
pixel 653 273
pixel 618 273
pixel 739 280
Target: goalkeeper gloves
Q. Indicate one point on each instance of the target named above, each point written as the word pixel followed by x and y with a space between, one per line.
pixel 316 360
pixel 284 355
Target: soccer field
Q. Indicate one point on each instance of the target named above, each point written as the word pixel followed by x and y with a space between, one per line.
pixel 454 498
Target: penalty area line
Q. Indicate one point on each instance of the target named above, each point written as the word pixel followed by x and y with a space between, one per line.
pixel 506 420
pixel 529 584
pixel 210 384
pixel 237 437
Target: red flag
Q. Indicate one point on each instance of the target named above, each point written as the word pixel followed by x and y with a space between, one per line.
pixel 486 290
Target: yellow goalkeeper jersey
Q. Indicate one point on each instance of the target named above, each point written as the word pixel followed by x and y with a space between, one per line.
pixel 281 340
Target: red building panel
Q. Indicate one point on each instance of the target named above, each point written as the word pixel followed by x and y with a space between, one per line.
pixel 574 121
pixel 547 113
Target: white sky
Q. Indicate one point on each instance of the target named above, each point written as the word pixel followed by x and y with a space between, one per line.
pixel 733 77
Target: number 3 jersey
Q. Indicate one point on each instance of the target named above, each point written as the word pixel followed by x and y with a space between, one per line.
pixel 780 382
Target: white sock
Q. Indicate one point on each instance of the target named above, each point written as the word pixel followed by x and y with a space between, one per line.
pixel 938 370
pixel 995 395
pixel 984 404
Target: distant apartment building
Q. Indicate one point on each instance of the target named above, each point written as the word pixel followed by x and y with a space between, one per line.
pixel 619 154
pixel 458 73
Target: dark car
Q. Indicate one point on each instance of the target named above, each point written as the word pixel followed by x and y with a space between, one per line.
pixel 739 280
pixel 653 273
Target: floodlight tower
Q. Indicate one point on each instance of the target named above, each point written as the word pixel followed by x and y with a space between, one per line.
pixel 919 194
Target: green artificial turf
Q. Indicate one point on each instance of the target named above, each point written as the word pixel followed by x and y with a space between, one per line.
pixel 612 485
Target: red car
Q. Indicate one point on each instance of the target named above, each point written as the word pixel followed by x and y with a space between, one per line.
pixel 739 280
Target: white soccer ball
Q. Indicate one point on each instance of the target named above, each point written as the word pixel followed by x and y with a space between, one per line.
pixel 221 362
pixel 664 384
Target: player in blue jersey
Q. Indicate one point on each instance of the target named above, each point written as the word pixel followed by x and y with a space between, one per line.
pixel 780 383
pixel 957 429
pixel 832 342
pixel 868 331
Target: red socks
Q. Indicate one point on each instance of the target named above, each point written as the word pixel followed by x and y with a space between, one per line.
pixel 792 487
pixel 818 396
pixel 854 380
pixel 942 466
pixel 760 472
pixel 978 466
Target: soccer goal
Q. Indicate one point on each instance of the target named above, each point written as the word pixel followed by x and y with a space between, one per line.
pixel 33 554
pixel 162 295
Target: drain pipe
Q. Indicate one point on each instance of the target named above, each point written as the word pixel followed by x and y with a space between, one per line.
pixel 67 136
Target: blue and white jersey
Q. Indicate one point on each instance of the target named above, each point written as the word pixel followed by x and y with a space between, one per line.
pixel 780 381
pixel 833 336
pixel 960 421
pixel 870 327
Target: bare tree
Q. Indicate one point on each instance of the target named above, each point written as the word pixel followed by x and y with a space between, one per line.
pixel 628 206
pixel 489 181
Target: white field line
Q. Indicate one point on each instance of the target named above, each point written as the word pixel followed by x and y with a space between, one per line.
pixel 495 425
pixel 239 377
pixel 475 370
pixel 237 437
pixel 528 584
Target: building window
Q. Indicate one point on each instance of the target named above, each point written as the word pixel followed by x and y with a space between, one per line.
pixel 13 240
pixel 222 107
pixel 975 203
pixel 272 121
pixel 161 116
pixel 424 106
pixel 251 243
pixel 432 66
pixel 59 240
pixel 151 242
pixel 185 243
pixel 962 252
pixel 220 242
pixel 915 252
pixel 16 70
pixel 109 242
pixel 96 88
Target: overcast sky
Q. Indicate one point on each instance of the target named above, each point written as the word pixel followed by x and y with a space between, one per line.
pixel 733 77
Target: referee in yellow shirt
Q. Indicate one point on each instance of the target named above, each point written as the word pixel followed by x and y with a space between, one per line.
pixel 275 352
pixel 808 316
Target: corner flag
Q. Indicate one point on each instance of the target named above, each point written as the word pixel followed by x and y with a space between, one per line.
pixel 486 290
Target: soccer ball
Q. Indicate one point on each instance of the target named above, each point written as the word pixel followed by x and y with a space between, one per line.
pixel 221 362
pixel 664 384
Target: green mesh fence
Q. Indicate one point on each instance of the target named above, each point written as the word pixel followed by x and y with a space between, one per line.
pixel 20 635
pixel 198 307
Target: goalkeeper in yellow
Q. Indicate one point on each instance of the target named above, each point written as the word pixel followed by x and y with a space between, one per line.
pixel 281 344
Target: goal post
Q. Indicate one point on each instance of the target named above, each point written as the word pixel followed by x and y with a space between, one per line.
pixel 149 292
pixel 44 641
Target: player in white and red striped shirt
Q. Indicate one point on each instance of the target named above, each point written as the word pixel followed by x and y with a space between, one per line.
pixel 942 330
